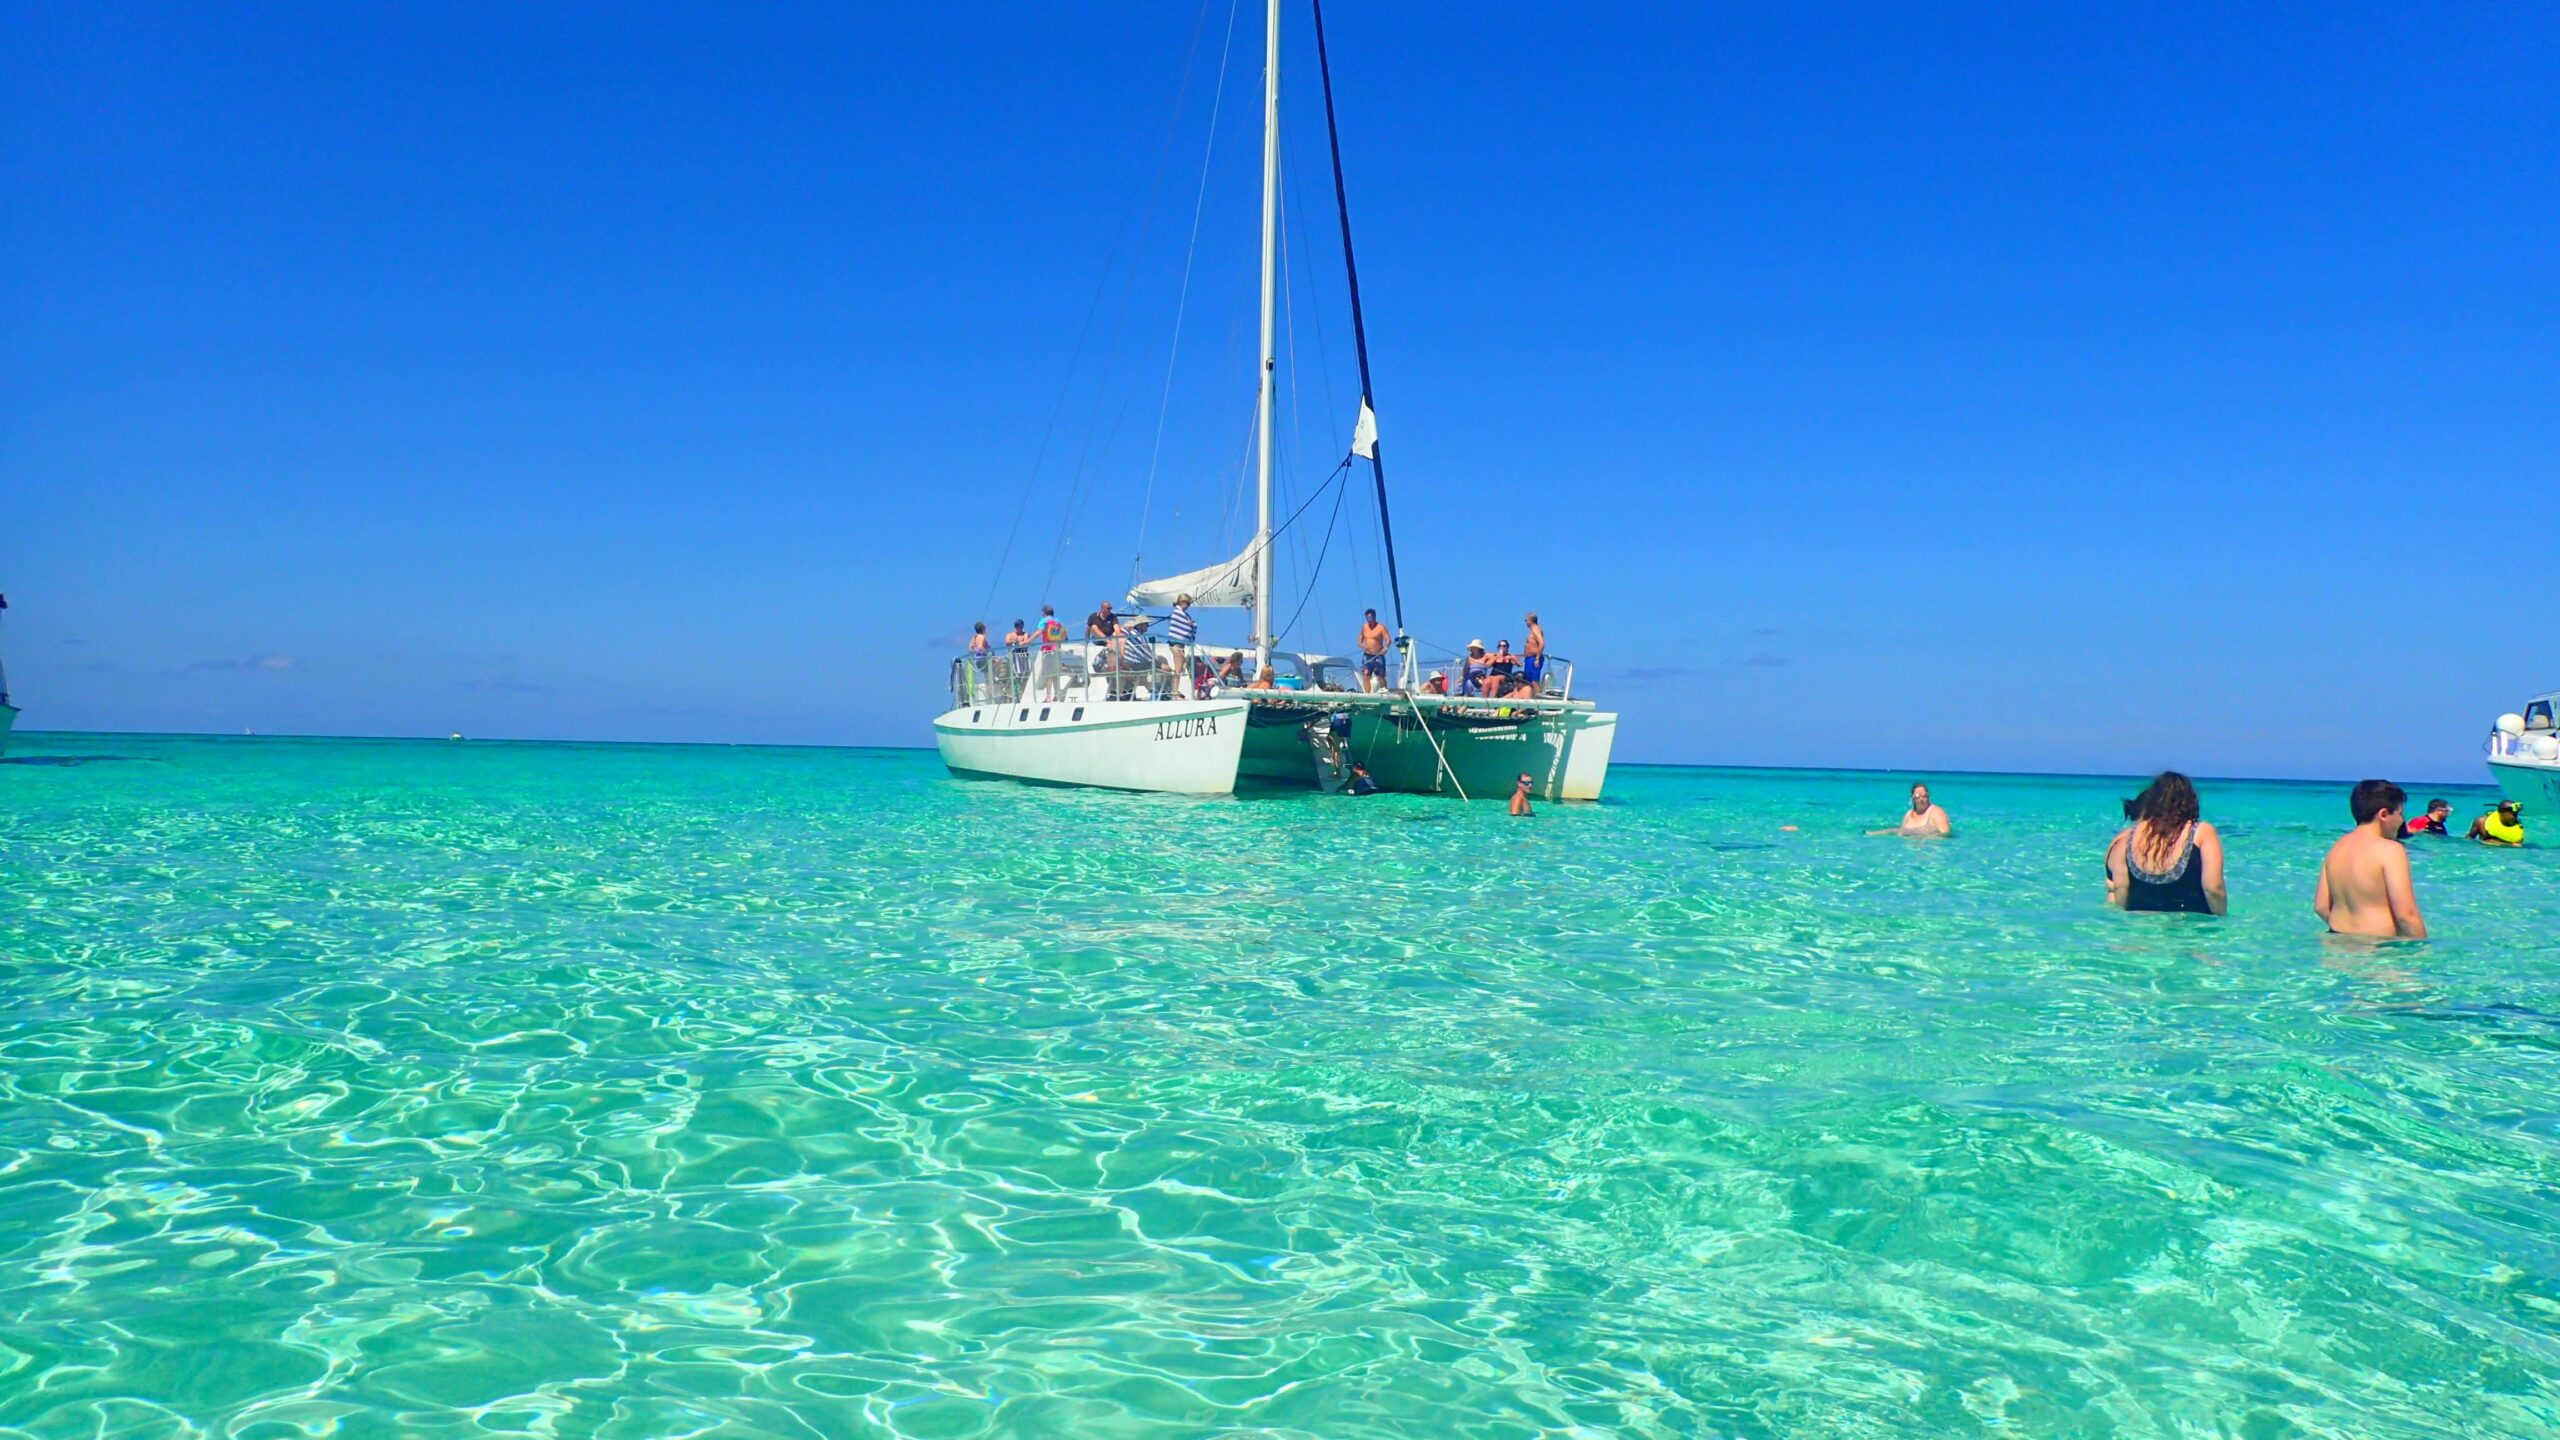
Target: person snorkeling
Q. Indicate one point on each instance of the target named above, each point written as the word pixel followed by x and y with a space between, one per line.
pixel 2436 821
pixel 2502 826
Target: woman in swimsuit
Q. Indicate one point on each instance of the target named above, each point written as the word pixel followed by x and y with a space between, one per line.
pixel 1924 820
pixel 2168 858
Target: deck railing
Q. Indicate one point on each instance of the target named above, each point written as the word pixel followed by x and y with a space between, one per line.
pixel 1087 670
pixel 2531 745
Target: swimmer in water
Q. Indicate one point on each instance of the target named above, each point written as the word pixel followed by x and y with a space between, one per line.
pixel 1520 796
pixel 2365 887
pixel 2501 826
pixel 2437 821
pixel 1924 820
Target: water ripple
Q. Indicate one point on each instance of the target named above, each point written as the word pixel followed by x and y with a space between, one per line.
pixel 425 1090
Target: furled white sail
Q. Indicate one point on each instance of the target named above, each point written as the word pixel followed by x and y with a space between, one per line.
pixel 1229 583
pixel 1364 435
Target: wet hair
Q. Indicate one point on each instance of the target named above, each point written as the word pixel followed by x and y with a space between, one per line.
pixel 982 627
pixel 2168 803
pixel 1017 624
pixel 1372 614
pixel 2372 797
pixel 2435 805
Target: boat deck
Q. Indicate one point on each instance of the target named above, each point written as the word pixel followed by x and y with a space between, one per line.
pixel 1311 701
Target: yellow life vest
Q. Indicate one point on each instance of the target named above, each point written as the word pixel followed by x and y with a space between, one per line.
pixel 2496 828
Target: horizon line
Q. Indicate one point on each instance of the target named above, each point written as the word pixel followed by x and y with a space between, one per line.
pixel 1615 764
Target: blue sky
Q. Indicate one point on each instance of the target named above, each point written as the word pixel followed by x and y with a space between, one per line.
pixel 1861 386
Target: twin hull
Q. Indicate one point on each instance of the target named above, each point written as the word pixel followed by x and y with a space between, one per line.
pixel 1186 747
pixel 1205 747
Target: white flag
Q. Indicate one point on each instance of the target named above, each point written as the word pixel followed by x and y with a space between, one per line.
pixel 1364 436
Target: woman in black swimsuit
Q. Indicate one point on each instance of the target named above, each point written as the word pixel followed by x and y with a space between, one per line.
pixel 2168 858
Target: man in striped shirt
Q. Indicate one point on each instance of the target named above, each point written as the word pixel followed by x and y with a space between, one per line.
pixel 1137 658
pixel 1180 629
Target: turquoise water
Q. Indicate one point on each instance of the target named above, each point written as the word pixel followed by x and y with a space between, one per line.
pixel 423 1089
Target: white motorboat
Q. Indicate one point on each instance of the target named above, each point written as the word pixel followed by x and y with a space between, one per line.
pixel 1076 712
pixel 2524 755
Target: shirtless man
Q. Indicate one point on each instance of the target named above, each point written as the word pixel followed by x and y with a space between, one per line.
pixel 1520 796
pixel 2364 884
pixel 1923 819
pixel 1373 653
pixel 1533 664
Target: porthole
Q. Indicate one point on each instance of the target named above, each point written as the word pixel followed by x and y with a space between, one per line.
pixel 1078 715
pixel 974 714
pixel 1025 715
pixel 1044 712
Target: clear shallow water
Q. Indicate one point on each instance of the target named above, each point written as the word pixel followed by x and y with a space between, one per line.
pixel 417 1089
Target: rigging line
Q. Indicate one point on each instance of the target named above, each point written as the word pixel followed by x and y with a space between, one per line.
pixel 1324 354
pixel 1359 327
pixel 1120 324
pixel 1316 571
pixel 1251 552
pixel 1182 305
pixel 1084 333
pixel 1289 327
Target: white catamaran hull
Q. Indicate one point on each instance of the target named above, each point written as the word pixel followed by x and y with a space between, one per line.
pixel 1187 747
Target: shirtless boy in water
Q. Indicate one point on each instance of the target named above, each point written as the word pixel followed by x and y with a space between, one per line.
pixel 2364 884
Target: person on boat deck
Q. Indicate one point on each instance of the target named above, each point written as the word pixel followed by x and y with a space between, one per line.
pixel 1361 783
pixel 2436 821
pixel 1471 674
pixel 2168 858
pixel 1017 641
pixel 1053 633
pixel 1924 818
pixel 2365 888
pixel 1103 629
pixel 1436 685
pixel 1266 678
pixel 1533 652
pixel 1180 630
pixel 1373 652
pixel 1520 796
pixel 976 662
pixel 1137 659
pixel 1500 666
pixel 1231 671
pixel 2502 826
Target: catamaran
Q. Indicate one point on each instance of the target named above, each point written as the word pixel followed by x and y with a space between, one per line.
pixel 1113 714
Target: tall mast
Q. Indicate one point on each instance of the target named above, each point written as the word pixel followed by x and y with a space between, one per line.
pixel 1262 636
pixel 1359 327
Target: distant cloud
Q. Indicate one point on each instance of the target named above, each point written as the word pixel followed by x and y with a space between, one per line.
pixel 1765 660
pixel 502 685
pixel 229 665
pixel 1766 632
pixel 1645 674
pixel 948 640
